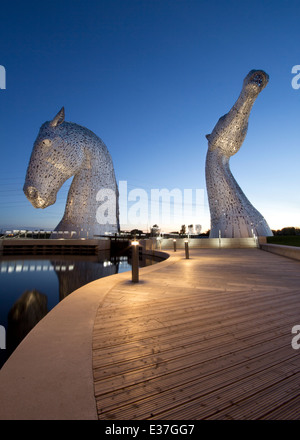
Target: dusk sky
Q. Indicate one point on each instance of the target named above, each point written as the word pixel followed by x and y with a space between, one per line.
pixel 151 78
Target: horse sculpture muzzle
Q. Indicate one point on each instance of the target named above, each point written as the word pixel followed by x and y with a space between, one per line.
pixel 35 198
pixel 256 81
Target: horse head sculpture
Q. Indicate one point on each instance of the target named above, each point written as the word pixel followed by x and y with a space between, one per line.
pixel 64 149
pixel 230 131
pixel 232 214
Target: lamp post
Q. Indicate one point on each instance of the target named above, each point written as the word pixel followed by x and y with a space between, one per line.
pixel 159 242
pixel 135 261
pixel 186 245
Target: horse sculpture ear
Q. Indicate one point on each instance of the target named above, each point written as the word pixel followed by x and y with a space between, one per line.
pixel 59 118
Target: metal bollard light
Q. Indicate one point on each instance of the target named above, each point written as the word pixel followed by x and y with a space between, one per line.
pixel 174 243
pixel 186 245
pixel 135 261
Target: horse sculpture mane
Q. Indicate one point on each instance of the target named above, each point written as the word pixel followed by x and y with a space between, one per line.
pixel 64 149
pixel 232 215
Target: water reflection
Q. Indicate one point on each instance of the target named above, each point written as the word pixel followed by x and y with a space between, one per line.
pixel 31 286
pixel 83 272
pixel 35 266
pixel 26 312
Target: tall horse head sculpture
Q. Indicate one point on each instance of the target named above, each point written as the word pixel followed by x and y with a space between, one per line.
pixel 64 149
pixel 232 214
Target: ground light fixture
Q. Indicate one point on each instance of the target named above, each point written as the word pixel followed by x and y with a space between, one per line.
pixel 186 245
pixel 174 244
pixel 135 261
pixel 159 241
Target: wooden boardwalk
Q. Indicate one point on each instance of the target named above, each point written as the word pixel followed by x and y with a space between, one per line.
pixel 204 338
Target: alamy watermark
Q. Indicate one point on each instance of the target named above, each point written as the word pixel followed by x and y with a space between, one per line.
pixel 139 207
pixel 296 339
pixel 2 338
pixel 2 77
pixel 296 79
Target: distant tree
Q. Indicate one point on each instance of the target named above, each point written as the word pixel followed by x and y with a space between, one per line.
pixel 288 230
pixel 136 232
pixel 205 234
pixel 182 230
pixel 155 231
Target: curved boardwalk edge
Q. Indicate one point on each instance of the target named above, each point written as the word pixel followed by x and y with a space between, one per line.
pixel 202 338
pixel 49 376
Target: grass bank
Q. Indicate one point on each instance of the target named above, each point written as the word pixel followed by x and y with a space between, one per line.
pixel 285 240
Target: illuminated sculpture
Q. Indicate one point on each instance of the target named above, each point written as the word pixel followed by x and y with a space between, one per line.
pixel 232 215
pixel 64 149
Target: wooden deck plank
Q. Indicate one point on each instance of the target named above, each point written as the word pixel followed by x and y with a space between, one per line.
pixel 189 354
pixel 191 382
pixel 259 403
pixel 203 339
pixel 286 411
pixel 153 327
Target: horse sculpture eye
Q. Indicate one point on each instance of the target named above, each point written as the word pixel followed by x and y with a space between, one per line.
pixel 47 142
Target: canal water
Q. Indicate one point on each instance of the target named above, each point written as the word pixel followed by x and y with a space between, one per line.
pixel 31 286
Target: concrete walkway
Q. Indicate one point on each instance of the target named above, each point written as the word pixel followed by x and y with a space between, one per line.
pixel 209 337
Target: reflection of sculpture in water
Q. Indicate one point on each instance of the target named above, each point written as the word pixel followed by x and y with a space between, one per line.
pixel 83 272
pixel 26 312
pixel 232 214
pixel 31 306
pixel 72 274
pixel 64 149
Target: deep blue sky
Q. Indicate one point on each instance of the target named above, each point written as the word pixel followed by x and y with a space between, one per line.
pixel 151 78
